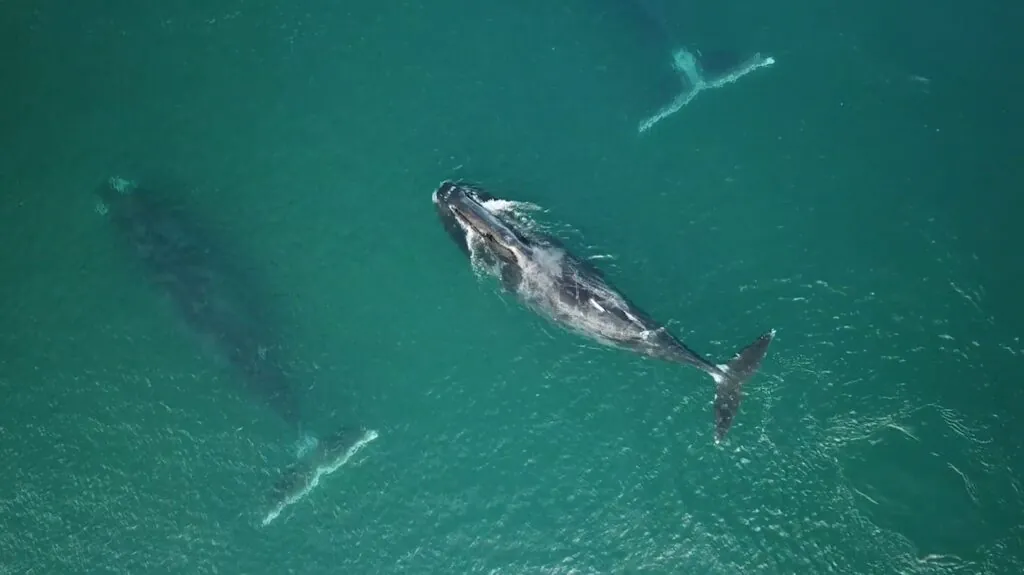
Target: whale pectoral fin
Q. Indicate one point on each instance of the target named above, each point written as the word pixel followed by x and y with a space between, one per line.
pixel 511 277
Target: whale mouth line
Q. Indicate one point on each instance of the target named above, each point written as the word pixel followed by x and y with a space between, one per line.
pixel 464 221
pixel 481 231
pixel 478 226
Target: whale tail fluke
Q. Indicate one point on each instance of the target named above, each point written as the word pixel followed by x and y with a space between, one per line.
pixel 729 380
pixel 324 459
pixel 714 71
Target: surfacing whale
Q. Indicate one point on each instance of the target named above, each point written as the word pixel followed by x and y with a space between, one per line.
pixel 574 294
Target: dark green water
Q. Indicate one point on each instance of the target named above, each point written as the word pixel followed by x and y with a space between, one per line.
pixel 861 196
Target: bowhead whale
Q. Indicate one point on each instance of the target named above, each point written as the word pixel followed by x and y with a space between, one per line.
pixel 573 293
pixel 220 306
pixel 216 303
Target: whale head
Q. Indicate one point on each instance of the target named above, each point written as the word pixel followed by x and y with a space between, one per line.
pixel 465 216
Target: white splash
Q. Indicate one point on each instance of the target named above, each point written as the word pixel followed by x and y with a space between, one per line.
pixel 497 206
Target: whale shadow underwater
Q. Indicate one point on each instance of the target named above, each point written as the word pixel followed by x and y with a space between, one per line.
pixel 574 294
pixel 218 304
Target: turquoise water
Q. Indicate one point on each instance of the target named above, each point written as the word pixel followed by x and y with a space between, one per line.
pixel 858 197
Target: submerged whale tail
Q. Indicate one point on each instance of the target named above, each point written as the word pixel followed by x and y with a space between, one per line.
pixel 302 476
pixel 305 444
pixel 729 379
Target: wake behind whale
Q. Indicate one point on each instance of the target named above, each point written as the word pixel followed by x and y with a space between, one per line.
pixel 574 294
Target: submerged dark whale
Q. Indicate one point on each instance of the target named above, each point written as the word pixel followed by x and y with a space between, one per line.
pixel 210 294
pixel 222 307
pixel 574 294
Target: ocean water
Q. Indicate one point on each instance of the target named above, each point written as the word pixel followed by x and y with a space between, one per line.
pixel 859 196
